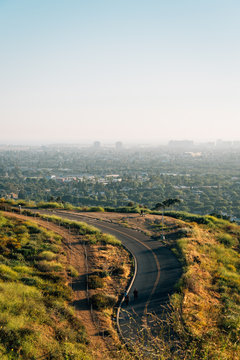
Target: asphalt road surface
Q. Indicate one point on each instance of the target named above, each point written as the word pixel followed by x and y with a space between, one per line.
pixel 158 270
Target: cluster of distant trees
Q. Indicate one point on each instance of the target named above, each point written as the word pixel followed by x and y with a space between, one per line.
pixel 206 184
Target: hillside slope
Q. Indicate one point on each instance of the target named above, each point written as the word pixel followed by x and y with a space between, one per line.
pixel 203 317
pixel 45 261
pixel 204 312
pixel 36 321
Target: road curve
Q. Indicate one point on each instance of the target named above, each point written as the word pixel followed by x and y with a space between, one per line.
pixel 158 270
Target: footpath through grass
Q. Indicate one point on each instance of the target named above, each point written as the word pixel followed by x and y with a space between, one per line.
pixel 36 321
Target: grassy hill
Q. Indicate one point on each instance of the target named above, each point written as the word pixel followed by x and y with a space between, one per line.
pixel 205 311
pixel 36 321
pixel 203 318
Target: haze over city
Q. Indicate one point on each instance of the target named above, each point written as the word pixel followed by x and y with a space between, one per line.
pixel 119 179
pixel 152 71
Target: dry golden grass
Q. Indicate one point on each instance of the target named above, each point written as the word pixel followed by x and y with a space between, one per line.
pixel 108 259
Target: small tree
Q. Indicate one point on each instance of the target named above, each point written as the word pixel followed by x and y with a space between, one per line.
pixel 163 205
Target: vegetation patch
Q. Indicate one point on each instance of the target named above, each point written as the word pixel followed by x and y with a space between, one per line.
pixel 72 271
pixel 202 320
pixel 47 255
pixel 35 320
pixel 95 282
pixel 101 301
pixel 92 234
pixel 206 312
pixel 203 314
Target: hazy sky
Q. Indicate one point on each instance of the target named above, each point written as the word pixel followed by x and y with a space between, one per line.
pixel 143 70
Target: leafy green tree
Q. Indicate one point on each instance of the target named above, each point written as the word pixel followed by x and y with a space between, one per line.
pixel 166 203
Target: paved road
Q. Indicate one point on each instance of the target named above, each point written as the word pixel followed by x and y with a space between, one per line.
pixel 158 270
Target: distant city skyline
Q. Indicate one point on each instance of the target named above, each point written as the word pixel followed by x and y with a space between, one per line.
pixel 121 144
pixel 131 71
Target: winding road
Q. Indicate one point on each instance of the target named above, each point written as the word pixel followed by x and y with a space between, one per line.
pixel 158 270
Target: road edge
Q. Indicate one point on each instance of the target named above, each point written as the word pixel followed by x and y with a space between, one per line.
pixel 127 291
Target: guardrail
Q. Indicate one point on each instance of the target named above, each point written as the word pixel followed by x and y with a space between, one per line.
pixel 127 291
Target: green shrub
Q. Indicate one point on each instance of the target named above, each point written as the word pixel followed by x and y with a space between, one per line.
pixel 28 203
pixel 93 234
pixel 72 271
pixel 21 299
pixel 6 273
pixel 108 239
pixel 50 205
pixel 199 219
pixel 26 212
pixel 127 209
pixel 109 209
pixel 59 291
pixel 227 239
pixel 68 206
pixel 102 301
pixel 118 270
pixel 21 269
pixel 102 273
pixel 184 232
pixel 48 266
pixel 95 282
pixel 96 209
pixel 47 255
pixel 54 248
pixel 33 228
pixel 30 281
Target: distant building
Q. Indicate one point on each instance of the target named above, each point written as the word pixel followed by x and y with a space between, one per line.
pixel 96 144
pixel 223 144
pixel 12 196
pixel 209 144
pixel 236 144
pixel 193 154
pixel 181 144
pixel 119 145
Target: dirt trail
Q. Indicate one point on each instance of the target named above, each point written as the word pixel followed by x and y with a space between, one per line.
pixel 76 257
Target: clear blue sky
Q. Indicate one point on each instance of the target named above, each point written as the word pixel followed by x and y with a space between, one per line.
pixel 119 70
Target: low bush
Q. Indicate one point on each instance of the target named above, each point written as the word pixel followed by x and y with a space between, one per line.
pixel 110 209
pixel 6 273
pixel 49 266
pixel 68 206
pixel 72 271
pixel 49 205
pixel 47 255
pixel 116 271
pixel 96 209
pixel 101 301
pixel 227 239
pixel 95 282
pixel 91 233
pixel 103 273
pixel 21 269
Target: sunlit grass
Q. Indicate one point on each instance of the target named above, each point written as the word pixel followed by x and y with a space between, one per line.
pixel 35 320
pixel 47 255
pixel 92 234
pixel 209 300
